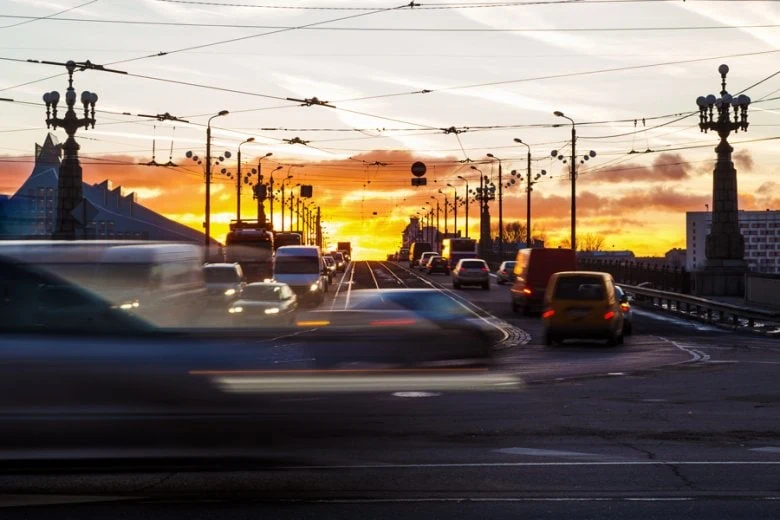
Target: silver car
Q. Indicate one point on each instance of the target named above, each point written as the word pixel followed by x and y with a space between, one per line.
pixel 471 271
pixel 505 272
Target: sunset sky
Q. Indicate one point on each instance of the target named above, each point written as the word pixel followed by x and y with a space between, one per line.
pixel 396 79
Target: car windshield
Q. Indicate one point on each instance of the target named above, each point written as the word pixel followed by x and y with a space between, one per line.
pixel 221 275
pixel 583 288
pixel 296 265
pixel 262 292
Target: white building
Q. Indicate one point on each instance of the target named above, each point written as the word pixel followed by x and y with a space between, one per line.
pixel 761 230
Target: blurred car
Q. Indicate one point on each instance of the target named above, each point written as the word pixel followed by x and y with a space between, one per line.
pixel 506 273
pixel 533 269
pixel 582 305
pixel 330 263
pixel 471 271
pixel 265 303
pixel 423 262
pixel 341 264
pixel 438 264
pixel 625 306
pixel 224 281
pixel 408 326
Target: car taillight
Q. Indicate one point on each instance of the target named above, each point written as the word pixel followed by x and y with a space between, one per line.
pixel 485 269
pixel 549 313
pixel 609 315
pixel 527 291
pixel 624 307
pixel 462 270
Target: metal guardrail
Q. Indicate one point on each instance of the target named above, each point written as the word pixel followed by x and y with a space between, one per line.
pixel 710 311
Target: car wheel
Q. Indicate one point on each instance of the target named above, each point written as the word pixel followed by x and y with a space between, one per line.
pixel 515 308
pixel 621 339
pixel 499 281
pixel 486 286
pixel 550 340
pixel 628 329
pixel 613 340
pixel 455 285
pixel 526 310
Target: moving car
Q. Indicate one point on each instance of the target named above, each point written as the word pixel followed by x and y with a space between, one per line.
pixel 407 326
pixel 265 303
pixel 330 264
pixel 224 281
pixel 341 264
pixel 437 264
pixel 416 251
pixel 625 306
pixel 582 305
pixel 533 268
pixel 471 271
pixel 301 268
pixel 505 273
pixel 423 262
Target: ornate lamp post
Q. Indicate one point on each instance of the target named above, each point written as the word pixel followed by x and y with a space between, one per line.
pixel 69 184
pixel 220 160
pixel 572 175
pixel 725 246
pixel 461 177
pixel 238 179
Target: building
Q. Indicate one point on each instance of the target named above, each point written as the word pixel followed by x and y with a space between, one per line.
pixel 761 230
pixel 675 257
pixel 108 214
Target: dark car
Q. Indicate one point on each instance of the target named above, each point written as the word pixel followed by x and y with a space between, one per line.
pixel 438 264
pixel 341 264
pixel 265 304
pixel 506 273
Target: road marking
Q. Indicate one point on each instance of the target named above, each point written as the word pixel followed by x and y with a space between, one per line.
pixel 767 449
pixel 696 355
pixel 616 373
pixel 416 394
pixel 535 452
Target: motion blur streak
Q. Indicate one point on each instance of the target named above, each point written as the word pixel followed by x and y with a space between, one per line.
pixel 391 383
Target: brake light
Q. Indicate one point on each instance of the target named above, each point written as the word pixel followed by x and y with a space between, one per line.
pixel 462 270
pixel 527 291
pixel 549 313
pixel 485 269
pixel 609 315
pixel 624 307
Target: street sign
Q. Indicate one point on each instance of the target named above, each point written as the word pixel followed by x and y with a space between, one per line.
pixel 420 182
pixel 306 191
pixel 85 212
pixel 418 169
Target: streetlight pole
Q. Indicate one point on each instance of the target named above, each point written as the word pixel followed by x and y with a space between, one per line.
pixel 573 175
pixel 528 239
pixel 446 204
pixel 455 207
pixel 238 179
pixel 461 177
pixel 207 223
pixel 500 208
pixel 70 181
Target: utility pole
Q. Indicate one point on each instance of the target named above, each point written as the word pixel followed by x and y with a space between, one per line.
pixel 319 228
pixel 207 223
pixel 239 179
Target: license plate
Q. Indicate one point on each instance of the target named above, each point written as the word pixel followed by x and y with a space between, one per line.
pixel 578 313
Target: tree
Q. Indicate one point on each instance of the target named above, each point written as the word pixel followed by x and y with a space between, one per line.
pixel 514 232
pixel 591 242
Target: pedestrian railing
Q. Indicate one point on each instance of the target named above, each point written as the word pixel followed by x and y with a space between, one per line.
pixel 710 311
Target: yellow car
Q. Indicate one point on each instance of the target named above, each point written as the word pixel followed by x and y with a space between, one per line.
pixel 582 305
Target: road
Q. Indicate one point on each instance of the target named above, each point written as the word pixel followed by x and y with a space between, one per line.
pixel 680 422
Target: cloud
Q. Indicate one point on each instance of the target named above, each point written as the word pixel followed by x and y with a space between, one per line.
pixel 744 160
pixel 767 188
pixel 665 167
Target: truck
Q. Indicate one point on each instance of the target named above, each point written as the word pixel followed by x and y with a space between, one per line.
pixel 251 244
pixel 346 249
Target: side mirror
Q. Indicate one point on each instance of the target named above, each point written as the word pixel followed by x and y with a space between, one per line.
pixel 624 299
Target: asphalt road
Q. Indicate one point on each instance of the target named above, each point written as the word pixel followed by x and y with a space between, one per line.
pixel 680 422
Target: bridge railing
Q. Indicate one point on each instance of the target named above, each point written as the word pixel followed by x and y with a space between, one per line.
pixel 663 277
pixel 709 311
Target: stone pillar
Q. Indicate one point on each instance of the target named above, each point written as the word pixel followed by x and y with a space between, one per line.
pixel 69 193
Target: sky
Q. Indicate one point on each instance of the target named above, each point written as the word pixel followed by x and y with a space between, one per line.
pixel 445 83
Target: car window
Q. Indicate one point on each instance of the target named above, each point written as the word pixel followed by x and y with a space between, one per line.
pixel 473 264
pixel 584 288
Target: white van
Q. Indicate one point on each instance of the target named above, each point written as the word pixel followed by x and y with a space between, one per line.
pixel 160 282
pixel 302 268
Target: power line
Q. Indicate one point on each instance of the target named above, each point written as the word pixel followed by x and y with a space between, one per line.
pixel 32 19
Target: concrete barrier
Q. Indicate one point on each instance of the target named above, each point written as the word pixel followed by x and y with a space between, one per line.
pixel 763 289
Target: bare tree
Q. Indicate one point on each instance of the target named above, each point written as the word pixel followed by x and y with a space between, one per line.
pixel 591 242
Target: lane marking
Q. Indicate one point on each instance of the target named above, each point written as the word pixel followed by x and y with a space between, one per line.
pixel 535 452
pixel 373 277
pixel 696 355
pixel 416 394
pixel 338 287
pixel 767 449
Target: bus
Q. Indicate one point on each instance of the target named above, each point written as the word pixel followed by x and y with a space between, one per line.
pixel 287 239
pixel 453 249
pixel 251 245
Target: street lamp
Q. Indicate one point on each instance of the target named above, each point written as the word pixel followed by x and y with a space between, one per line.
pixel 455 207
pixel 446 205
pixel 725 246
pixel 438 214
pixel 238 179
pixel 461 177
pixel 207 223
pixel 573 175
pixel 69 182
pixel 500 208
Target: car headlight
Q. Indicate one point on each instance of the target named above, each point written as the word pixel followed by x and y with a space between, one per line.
pixel 272 310
pixel 230 292
pixel 130 305
pixel 235 310
pixel 314 287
